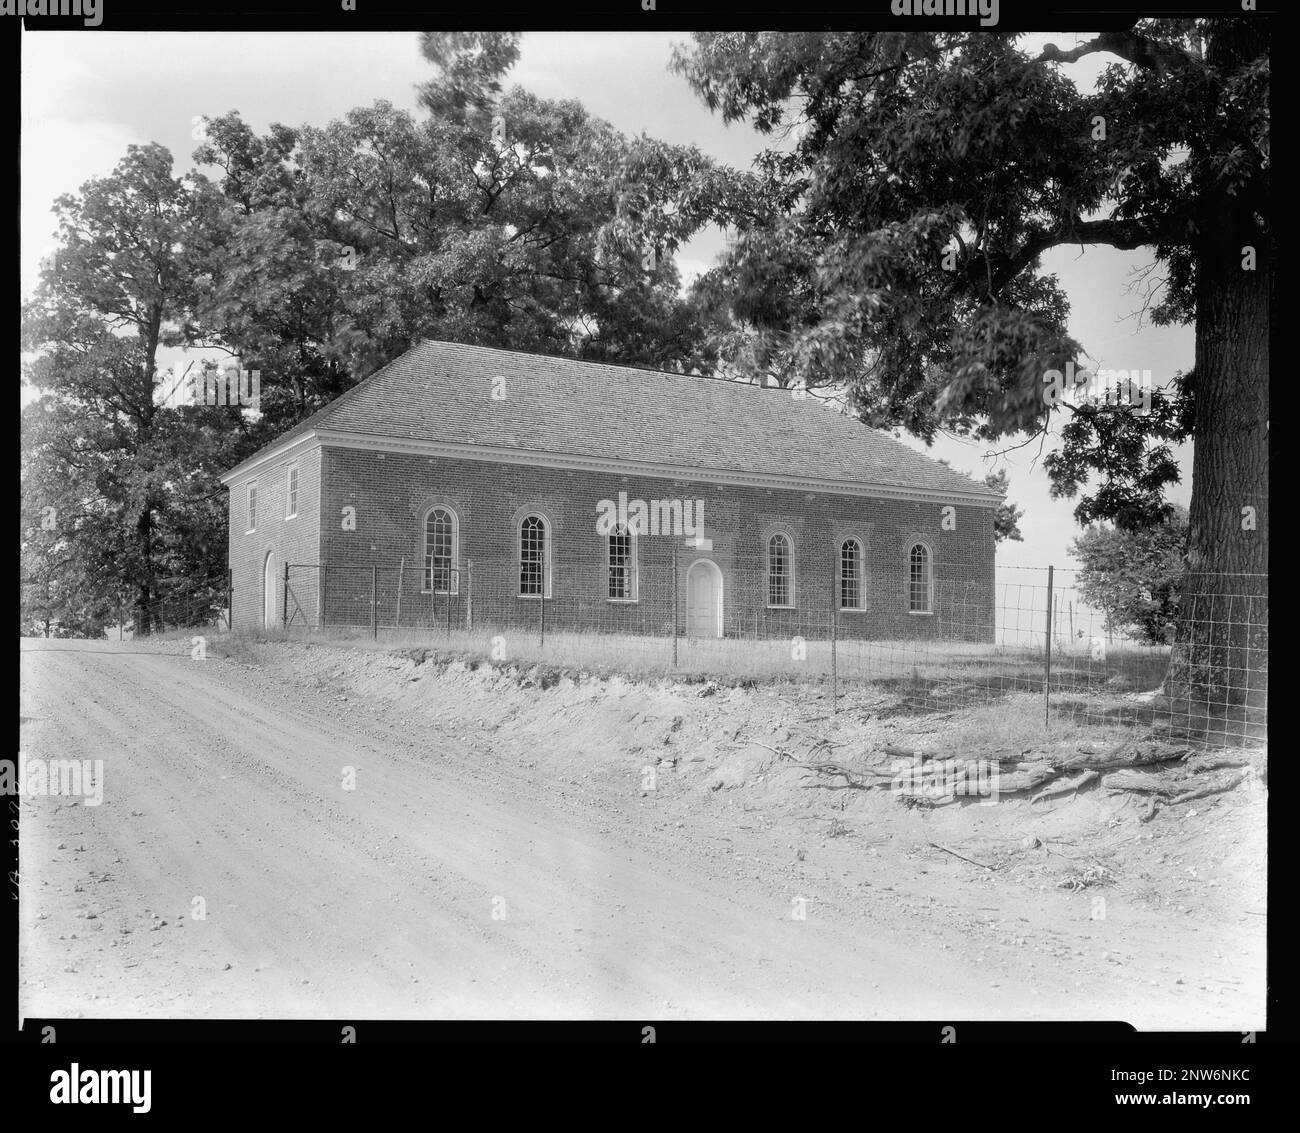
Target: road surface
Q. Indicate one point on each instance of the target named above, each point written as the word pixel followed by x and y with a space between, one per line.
pixel 229 872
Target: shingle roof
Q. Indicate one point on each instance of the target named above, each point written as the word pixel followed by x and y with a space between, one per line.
pixel 564 407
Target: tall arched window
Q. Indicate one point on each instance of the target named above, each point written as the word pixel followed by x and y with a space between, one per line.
pixel 780 571
pixel 851 588
pixel 534 557
pixel 621 563
pixel 920 583
pixel 441 536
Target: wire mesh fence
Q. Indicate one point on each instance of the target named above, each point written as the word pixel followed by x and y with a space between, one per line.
pixel 900 642
pixel 184 604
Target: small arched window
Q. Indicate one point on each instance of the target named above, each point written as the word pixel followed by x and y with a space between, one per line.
pixel 621 564
pixel 920 584
pixel 780 571
pixel 441 550
pixel 534 557
pixel 851 587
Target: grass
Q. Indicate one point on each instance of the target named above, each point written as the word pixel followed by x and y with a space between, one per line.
pixel 910 665
pixel 998 689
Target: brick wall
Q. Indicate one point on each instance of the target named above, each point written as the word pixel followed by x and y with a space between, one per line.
pixel 390 494
pixel 295 540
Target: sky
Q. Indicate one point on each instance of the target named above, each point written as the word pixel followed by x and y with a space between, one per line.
pixel 85 98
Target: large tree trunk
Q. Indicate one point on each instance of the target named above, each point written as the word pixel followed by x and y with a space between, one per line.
pixel 144 615
pixel 1219 666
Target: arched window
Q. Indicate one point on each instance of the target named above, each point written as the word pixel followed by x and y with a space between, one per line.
pixel 780 571
pixel 620 560
pixel 534 557
pixel 441 551
pixel 851 588
pixel 920 583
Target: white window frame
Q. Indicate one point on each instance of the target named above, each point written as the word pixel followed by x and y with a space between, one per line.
pixel 454 569
pixel 250 507
pixel 546 553
pixel 634 575
pixel 861 579
pixel 929 578
pixel 292 480
pixel 791 592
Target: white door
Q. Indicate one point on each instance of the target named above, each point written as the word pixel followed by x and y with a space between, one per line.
pixel 270 615
pixel 703 600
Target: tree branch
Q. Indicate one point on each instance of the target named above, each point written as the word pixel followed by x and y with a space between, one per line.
pixel 1125 235
pixel 1148 54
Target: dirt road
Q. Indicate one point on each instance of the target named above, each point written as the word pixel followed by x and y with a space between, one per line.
pixel 462 879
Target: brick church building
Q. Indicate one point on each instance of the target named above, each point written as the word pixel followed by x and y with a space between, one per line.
pixel 492 488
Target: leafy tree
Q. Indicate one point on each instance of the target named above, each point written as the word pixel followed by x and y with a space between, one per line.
pixel 100 454
pixel 469 67
pixel 313 256
pixel 1135 576
pixel 894 242
pixel 502 219
pixel 1006 520
pixel 1127 455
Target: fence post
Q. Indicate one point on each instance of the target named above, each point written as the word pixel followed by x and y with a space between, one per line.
pixel 374 603
pixel 230 601
pixel 324 593
pixel 448 607
pixel 401 569
pixel 469 596
pixel 676 587
pixel 541 614
pixel 1047 675
pixel 284 615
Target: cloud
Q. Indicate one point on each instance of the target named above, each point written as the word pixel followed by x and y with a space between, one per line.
pixel 59 156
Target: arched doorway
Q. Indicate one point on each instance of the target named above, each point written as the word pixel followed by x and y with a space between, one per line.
pixel 703 599
pixel 269 612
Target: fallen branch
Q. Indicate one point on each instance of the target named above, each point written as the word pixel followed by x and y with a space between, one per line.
pixel 963 857
pixel 779 752
pixel 1211 789
pixel 1216 763
pixel 905 752
pixel 1066 788
pixel 1141 781
pixel 850 776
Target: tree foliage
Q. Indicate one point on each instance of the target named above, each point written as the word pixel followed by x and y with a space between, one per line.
pixel 1135 576
pixel 891 238
pixel 313 255
pixel 1006 520
pixel 118 493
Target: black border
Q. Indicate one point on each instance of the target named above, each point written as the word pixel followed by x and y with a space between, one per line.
pixel 211 1067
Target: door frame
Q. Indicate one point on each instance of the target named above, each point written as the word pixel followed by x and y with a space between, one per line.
pixel 268 592
pixel 718 600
